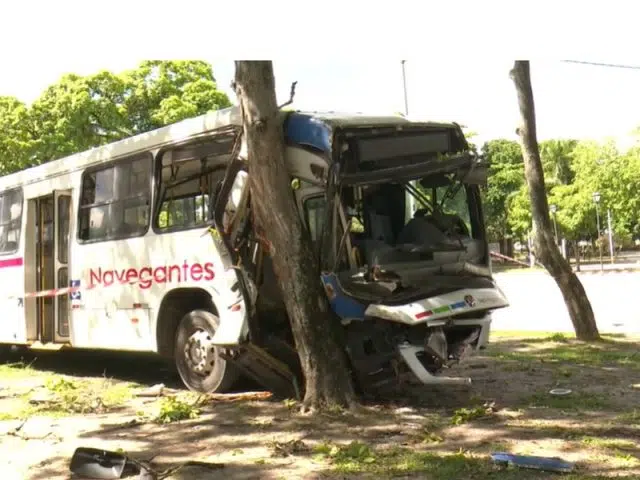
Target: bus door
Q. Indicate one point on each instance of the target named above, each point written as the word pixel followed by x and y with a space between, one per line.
pixel 53 215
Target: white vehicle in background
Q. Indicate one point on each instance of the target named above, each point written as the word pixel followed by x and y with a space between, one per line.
pixel 146 244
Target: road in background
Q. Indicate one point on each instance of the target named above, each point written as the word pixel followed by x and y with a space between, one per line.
pixel 537 304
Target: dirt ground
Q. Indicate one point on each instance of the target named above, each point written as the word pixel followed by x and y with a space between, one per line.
pixel 52 403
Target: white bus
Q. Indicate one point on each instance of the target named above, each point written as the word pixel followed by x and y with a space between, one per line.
pixel 145 244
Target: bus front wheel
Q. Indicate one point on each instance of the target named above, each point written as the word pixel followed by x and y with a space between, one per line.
pixel 197 360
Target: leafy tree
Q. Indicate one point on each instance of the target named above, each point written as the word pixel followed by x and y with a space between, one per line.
pixel 573 171
pixel 16 138
pixel 163 92
pixel 557 160
pixel 78 113
pixel 506 176
pixel 575 297
pixel 619 185
pixel 599 168
pixel 519 208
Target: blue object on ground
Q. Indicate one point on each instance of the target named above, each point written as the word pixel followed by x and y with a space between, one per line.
pixel 538 463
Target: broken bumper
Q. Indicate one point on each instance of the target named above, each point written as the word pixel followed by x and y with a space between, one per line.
pixel 409 354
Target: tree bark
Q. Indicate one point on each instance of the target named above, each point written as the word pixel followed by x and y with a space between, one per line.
pixel 575 297
pixel 316 332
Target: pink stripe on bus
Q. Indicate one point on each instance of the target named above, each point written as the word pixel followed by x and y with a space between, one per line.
pixel 11 262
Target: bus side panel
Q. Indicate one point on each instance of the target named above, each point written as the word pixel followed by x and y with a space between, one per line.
pixel 125 281
pixel 12 323
pixel 12 284
pixel 108 312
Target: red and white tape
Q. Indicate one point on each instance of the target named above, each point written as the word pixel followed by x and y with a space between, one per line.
pixel 504 257
pixel 56 292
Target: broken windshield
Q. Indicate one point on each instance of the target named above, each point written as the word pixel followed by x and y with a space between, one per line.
pixel 433 219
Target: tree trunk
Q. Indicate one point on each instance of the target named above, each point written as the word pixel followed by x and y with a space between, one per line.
pixel 316 332
pixel 575 297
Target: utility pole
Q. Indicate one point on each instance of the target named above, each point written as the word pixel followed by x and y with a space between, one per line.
pixel 610 234
pixel 404 83
pixel 596 200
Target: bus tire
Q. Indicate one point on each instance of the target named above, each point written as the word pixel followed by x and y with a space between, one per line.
pixel 198 362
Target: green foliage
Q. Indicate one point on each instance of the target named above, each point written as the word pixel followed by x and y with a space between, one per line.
pixel 465 415
pixel 573 401
pixel 506 177
pixel 16 135
pixel 573 171
pixel 357 458
pixel 78 113
pixel 352 453
pixel 556 157
pixel 173 409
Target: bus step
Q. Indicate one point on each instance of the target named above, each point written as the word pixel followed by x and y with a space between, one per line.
pixel 268 371
pixel 47 346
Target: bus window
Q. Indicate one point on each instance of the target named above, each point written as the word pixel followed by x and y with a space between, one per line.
pixel 315 209
pixel 189 178
pixel 10 220
pixel 115 200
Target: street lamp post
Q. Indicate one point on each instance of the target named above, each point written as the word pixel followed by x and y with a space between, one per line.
pixel 554 209
pixel 404 83
pixel 596 200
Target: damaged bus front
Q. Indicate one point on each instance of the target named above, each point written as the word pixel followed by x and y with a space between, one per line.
pixel 401 240
pixel 393 209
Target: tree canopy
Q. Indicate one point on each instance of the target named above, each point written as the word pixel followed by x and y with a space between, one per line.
pixel 573 170
pixel 78 113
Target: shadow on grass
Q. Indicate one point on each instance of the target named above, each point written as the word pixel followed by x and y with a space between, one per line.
pixel 611 351
pixel 425 432
pixel 340 457
pixel 379 442
pixel 147 369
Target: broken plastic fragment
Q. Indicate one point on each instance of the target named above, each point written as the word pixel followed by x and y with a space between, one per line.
pixel 538 463
pixel 97 464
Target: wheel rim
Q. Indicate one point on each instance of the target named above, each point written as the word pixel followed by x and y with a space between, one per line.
pixel 200 353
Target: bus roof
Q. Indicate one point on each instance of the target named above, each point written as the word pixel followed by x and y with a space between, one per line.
pixel 185 129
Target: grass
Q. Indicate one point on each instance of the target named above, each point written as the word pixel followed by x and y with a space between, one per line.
pixel 60 396
pixel 597 428
pixel 10 371
pixel 358 458
pixel 561 348
pixel 173 409
pixel 573 401
pixel 629 418
pixel 536 336
pixel 78 396
pixel 465 415
pixel 608 443
pixel 561 423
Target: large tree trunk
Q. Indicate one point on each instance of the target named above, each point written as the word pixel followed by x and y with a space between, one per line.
pixel 317 336
pixel 575 297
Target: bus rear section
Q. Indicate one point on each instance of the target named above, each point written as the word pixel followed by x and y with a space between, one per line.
pixel 112 249
pixel 34 265
pixel 13 328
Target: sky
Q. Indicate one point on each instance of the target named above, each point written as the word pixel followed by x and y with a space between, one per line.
pixel 572 100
